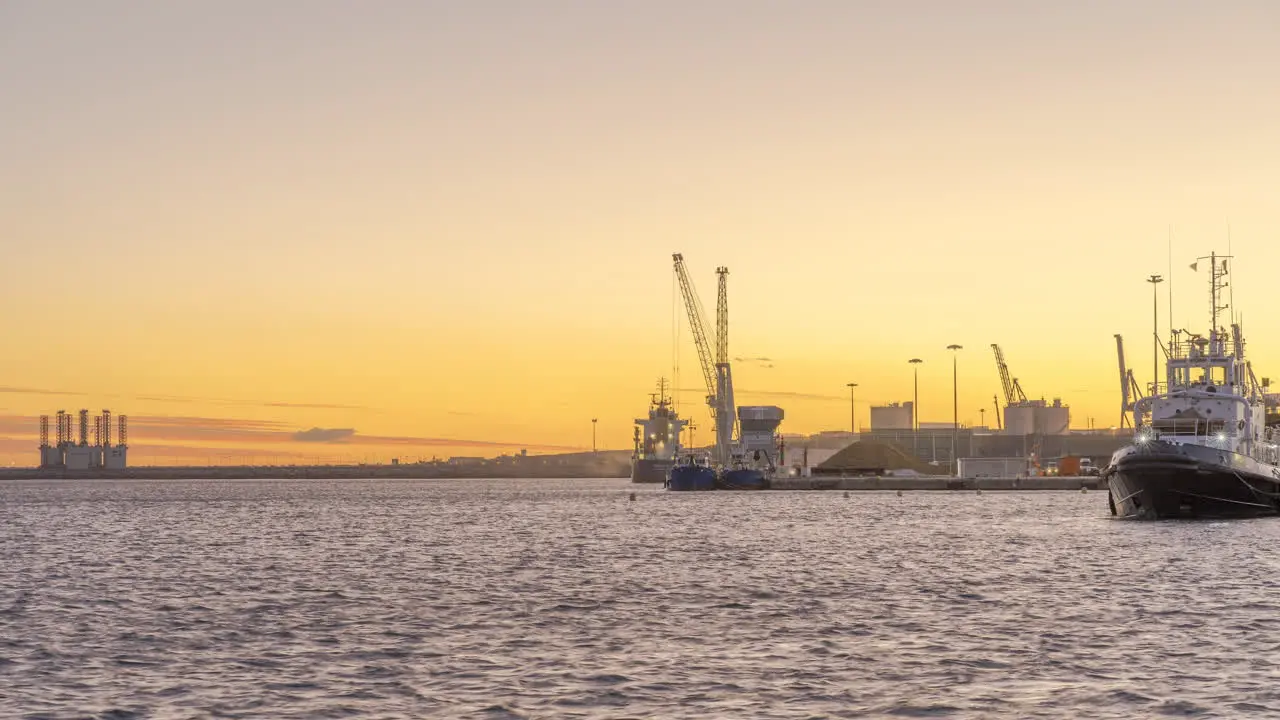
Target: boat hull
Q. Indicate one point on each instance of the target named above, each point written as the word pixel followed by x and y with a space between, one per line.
pixel 649 470
pixel 1156 479
pixel 743 479
pixel 684 478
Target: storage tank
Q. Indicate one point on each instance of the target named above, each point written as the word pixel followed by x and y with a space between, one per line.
pixel 894 416
pixel 1054 419
pixel 1020 419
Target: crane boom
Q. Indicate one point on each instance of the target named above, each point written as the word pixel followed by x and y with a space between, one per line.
pixel 697 328
pixel 1013 393
pixel 1006 383
pixel 1124 382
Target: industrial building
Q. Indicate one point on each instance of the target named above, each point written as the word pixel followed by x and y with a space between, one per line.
pixel 72 450
pixel 894 416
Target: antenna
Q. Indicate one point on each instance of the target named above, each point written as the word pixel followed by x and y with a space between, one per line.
pixel 1170 276
pixel 1231 291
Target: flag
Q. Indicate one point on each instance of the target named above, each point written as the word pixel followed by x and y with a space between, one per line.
pixel 1194 264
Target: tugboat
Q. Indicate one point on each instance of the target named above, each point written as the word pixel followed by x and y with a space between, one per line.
pixel 1207 440
pixel 657 439
pixel 692 473
pixel 743 477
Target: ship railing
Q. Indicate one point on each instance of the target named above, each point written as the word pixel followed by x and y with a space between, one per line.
pixel 1269 453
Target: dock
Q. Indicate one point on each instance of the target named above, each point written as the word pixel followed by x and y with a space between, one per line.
pixel 936 482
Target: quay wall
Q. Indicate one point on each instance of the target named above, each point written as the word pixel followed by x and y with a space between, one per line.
pixel 939 482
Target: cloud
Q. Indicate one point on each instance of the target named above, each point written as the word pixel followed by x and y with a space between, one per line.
pixel 741 392
pixel 314 406
pixel 461 442
pixel 210 435
pixel 37 391
pixel 324 435
pixel 183 399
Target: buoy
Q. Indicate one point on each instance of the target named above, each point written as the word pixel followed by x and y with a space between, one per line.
pixel 899 493
pixel 979 491
pixel 1084 490
pixel 846 493
pixel 633 497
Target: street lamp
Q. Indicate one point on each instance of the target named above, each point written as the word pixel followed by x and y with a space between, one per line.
pixel 915 407
pixel 853 424
pixel 955 407
pixel 1155 333
pixel 593 434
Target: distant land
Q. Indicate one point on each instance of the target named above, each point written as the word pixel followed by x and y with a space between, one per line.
pixel 603 464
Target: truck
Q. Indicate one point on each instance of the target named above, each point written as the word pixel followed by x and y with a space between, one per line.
pixel 1076 466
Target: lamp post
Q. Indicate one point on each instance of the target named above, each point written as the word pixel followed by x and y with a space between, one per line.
pixel 853 423
pixel 593 434
pixel 915 407
pixel 955 407
pixel 1155 333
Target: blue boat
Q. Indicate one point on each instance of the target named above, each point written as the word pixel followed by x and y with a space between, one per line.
pixel 743 479
pixel 691 474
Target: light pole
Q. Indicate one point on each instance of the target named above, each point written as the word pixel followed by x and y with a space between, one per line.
pixel 1155 280
pixel 915 407
pixel 982 413
pixel 853 423
pixel 955 407
pixel 593 434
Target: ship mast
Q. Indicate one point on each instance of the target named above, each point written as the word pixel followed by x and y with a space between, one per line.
pixel 1217 273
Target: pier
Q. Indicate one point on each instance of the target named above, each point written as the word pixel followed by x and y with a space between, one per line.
pixel 937 482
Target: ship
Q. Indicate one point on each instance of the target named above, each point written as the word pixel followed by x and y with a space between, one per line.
pixel 657 439
pixel 1207 438
pixel 693 472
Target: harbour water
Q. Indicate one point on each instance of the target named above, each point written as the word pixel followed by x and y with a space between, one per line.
pixel 552 599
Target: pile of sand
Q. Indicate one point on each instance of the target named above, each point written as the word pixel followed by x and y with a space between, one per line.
pixel 873 457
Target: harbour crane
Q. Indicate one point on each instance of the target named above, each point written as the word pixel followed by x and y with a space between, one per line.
pixel 726 419
pixel 715 369
pixel 1013 394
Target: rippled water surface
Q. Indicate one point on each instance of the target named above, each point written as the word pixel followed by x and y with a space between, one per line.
pixel 549 599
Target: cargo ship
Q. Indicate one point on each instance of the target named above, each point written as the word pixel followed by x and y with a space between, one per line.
pixel 1207 438
pixel 657 439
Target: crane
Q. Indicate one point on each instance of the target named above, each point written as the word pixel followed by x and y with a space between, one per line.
pixel 715 370
pixel 726 418
pixel 1126 381
pixel 1012 389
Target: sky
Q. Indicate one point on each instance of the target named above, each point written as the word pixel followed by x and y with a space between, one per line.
pixel 445 228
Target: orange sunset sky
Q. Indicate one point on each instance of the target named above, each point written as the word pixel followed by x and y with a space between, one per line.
pixel 438 228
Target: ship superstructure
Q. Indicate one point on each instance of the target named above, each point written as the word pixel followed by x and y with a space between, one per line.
pixel 657 439
pixel 1207 439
